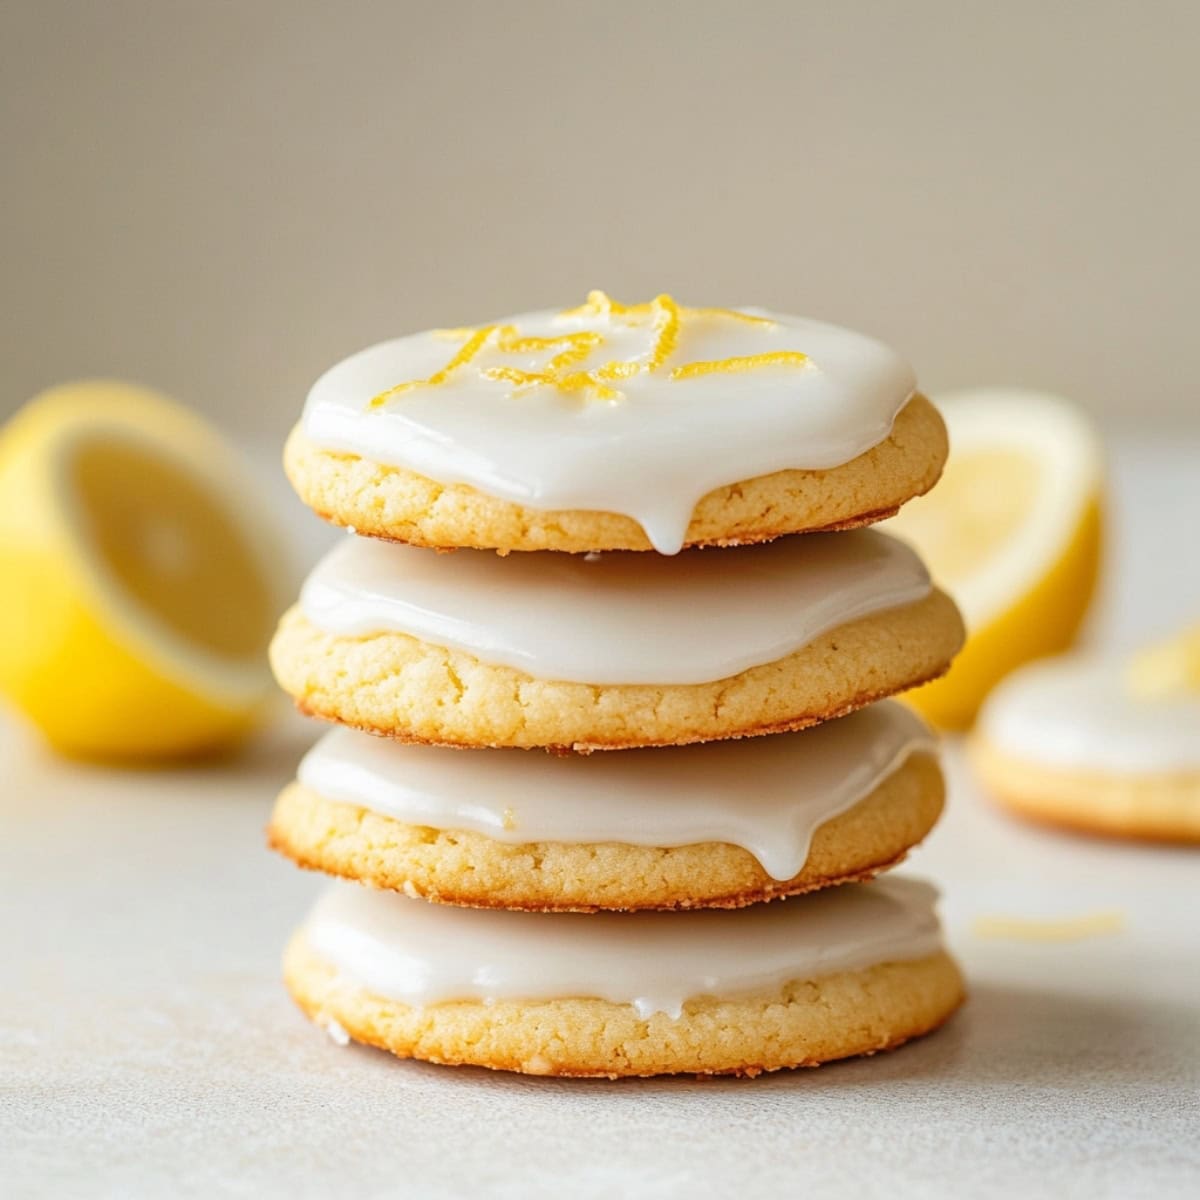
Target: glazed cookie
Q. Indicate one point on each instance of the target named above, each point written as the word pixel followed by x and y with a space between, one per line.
pixel 721 825
pixel 611 651
pixel 616 427
pixel 851 971
pixel 1065 741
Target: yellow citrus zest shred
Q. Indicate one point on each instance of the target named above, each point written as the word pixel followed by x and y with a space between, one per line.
pixel 469 349
pixel 666 327
pixel 585 381
pixel 733 366
pixel 572 350
pixel 573 381
pixel 618 370
pixel 1061 929
pixel 510 341
pixel 580 345
pixel 516 376
pixel 600 304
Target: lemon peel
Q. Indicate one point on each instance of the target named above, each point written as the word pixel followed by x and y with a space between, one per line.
pixel 600 304
pixel 473 345
pixel 747 362
pixel 1014 532
pixel 564 370
pixel 1167 669
pixel 139 576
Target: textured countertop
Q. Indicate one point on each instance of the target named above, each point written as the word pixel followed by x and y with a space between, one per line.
pixel 148 1049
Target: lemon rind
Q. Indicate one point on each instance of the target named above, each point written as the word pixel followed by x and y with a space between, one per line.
pixel 1054 434
pixel 142 418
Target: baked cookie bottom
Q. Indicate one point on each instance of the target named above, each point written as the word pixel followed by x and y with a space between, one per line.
pixel 810 1022
pixel 1152 807
pixel 400 505
pixel 468 868
pixel 397 685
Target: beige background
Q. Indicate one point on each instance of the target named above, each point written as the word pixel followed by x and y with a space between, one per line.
pixel 221 199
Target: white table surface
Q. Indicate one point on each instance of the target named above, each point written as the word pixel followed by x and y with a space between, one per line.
pixel 147 1047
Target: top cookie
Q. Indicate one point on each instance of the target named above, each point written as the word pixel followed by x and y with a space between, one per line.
pixel 616 427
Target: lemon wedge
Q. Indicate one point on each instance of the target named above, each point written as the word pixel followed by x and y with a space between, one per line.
pixel 1013 532
pixel 1168 668
pixel 139 576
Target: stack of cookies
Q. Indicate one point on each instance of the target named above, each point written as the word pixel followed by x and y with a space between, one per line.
pixel 581 913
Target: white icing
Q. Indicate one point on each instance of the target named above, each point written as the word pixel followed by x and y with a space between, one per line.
pixel 423 954
pixel 622 618
pixel 1077 712
pixel 650 455
pixel 769 797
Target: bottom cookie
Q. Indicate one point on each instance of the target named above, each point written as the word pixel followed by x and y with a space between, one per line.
pixel 794 984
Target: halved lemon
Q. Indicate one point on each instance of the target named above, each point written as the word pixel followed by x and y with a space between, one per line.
pixel 1013 531
pixel 139 576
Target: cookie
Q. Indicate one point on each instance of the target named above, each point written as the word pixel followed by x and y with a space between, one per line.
pixel 401 687
pixel 1065 741
pixel 851 971
pixel 616 427
pixel 611 651
pixel 391 502
pixel 721 825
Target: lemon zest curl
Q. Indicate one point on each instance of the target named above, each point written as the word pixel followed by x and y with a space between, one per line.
pixel 734 366
pixel 564 370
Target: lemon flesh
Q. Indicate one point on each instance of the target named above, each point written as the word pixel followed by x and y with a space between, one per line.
pixel 983 499
pixel 159 535
pixel 1014 532
pixel 138 576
